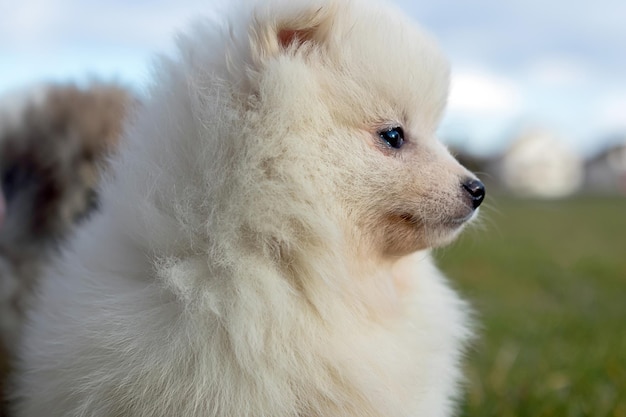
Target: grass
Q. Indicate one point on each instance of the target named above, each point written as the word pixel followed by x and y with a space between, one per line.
pixel 548 282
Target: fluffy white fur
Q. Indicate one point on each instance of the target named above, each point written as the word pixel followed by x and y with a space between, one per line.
pixel 261 251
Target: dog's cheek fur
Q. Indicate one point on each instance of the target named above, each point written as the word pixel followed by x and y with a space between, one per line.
pixel 400 201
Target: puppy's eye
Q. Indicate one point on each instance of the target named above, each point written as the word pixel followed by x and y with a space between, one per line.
pixel 393 137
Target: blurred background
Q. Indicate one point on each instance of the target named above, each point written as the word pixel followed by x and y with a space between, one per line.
pixel 537 108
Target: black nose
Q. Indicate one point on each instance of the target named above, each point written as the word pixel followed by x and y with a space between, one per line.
pixel 476 190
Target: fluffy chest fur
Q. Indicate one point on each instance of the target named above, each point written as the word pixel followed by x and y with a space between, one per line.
pixel 123 347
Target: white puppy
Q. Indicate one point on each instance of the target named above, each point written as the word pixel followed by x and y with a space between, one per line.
pixel 262 246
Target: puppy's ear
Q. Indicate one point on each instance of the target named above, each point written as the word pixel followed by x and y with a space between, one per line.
pixel 289 30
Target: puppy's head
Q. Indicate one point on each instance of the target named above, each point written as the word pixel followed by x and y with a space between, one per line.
pixel 344 102
pixel 313 129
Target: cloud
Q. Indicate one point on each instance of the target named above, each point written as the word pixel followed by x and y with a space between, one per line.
pixel 63 40
pixel 558 72
pixel 32 26
pixel 28 22
pixel 612 113
pixel 515 33
pixel 479 92
pixel 482 105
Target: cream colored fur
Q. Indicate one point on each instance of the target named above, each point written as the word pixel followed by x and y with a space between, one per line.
pixel 261 251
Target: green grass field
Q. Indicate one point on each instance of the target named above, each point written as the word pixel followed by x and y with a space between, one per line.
pixel 548 283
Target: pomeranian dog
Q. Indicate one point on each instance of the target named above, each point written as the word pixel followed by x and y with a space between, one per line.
pixel 54 141
pixel 262 243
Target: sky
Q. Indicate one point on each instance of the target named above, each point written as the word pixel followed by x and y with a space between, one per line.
pixel 554 65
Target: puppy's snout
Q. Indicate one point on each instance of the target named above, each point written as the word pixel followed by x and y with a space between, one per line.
pixel 476 191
